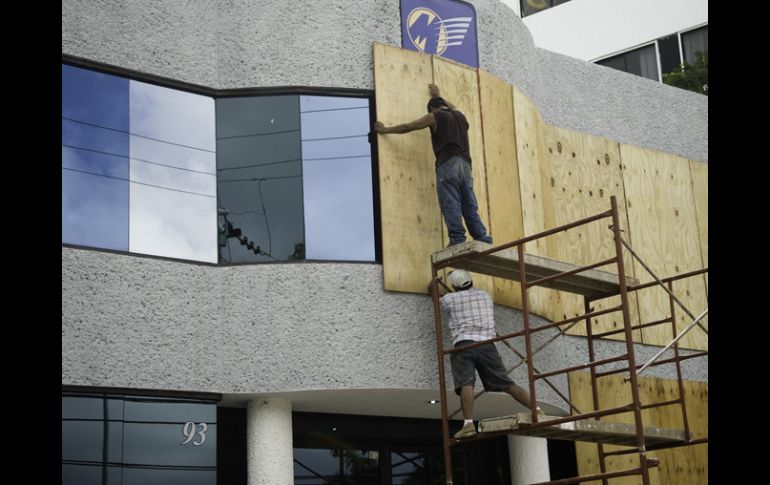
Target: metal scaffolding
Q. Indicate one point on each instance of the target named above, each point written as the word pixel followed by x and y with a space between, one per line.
pixel 510 261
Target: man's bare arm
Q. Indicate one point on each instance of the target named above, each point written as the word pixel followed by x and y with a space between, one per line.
pixel 426 121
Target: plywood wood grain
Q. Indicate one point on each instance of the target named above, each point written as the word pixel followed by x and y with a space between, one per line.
pixel 411 218
pixel 664 232
pixel 684 465
pixel 699 172
pixel 584 174
pixel 536 201
pixel 505 219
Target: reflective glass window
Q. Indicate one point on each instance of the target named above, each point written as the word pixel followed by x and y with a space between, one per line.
pixel 528 7
pixel 693 42
pixel 337 178
pixel 138 167
pixel 259 168
pixel 173 177
pixel 316 466
pixel 131 440
pixel 295 179
pixel 95 150
pixel 642 62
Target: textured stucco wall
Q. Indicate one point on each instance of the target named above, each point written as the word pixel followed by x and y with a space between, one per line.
pixel 240 43
pixel 148 323
pixel 131 321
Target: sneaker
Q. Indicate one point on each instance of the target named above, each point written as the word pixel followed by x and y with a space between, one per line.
pixel 466 432
pixel 454 243
pixel 487 239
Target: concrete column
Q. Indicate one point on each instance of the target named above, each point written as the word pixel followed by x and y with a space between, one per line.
pixel 270 455
pixel 529 459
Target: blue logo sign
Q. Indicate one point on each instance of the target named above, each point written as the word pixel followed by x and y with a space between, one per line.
pixel 446 28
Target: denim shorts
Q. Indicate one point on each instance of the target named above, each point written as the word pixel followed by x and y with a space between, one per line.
pixel 483 359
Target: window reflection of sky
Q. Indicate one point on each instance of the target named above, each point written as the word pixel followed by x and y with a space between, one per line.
pixel 141 163
pixel 173 164
pixel 337 178
pixel 168 159
pixel 94 207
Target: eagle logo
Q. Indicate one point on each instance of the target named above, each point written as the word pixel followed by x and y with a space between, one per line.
pixel 431 34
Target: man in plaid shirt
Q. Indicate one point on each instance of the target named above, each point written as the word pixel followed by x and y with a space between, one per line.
pixel 471 320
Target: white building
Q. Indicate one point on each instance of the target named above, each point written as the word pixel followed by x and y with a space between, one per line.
pixel 644 37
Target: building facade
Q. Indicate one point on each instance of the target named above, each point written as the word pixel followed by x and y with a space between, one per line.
pixel 223 312
pixel 646 38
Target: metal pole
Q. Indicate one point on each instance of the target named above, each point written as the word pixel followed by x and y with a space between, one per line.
pixel 441 379
pixel 594 388
pixel 629 342
pixel 678 366
pixel 527 335
pixel 676 339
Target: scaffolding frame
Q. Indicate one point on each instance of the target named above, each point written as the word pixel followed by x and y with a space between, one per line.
pixel 633 369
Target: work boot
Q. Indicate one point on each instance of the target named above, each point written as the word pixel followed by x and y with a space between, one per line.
pixel 466 432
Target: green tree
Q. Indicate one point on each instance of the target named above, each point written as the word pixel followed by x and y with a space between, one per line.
pixel 693 77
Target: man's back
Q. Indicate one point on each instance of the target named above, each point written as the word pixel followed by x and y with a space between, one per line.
pixel 471 315
pixel 451 136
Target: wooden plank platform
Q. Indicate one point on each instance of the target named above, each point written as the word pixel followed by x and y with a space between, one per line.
pixel 505 264
pixel 584 430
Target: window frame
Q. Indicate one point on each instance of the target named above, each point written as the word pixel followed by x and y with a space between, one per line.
pixel 216 94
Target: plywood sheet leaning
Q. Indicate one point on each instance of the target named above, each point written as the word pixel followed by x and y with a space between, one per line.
pixel 699 172
pixel 683 465
pixel 536 202
pixel 664 232
pixel 459 85
pixel 411 218
pixel 505 222
pixel 584 174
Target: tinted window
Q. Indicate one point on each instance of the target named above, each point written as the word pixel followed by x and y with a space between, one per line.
pixel 138 167
pixel 159 441
pixel 668 47
pixel 337 178
pixel 529 7
pixel 693 42
pixel 641 61
pixel 260 177
pixel 295 179
pixel 95 150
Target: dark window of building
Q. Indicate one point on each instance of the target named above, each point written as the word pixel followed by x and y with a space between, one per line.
pixel 693 42
pixel 138 167
pixel 641 61
pixel 528 7
pixel 126 440
pixel 295 179
pixel 668 49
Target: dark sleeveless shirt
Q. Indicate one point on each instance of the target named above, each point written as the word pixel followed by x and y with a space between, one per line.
pixel 451 136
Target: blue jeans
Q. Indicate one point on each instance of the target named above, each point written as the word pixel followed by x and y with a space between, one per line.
pixel 454 185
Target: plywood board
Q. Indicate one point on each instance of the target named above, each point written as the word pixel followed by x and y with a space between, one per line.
pixel 664 232
pixel 584 174
pixel 411 218
pixel 536 202
pixel 699 172
pixel 459 85
pixel 505 219
pixel 683 465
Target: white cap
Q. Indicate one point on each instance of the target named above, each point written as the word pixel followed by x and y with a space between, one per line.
pixel 460 278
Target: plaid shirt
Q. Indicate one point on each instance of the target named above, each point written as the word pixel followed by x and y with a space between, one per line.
pixel 471 315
